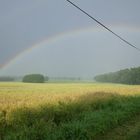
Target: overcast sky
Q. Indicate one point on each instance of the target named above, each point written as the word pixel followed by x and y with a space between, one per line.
pixel 87 52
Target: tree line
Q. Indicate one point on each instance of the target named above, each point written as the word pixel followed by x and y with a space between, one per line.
pixel 126 76
pixel 6 78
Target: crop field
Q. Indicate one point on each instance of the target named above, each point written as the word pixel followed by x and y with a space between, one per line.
pixel 69 111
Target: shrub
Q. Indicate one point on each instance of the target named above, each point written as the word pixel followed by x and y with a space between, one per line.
pixel 33 78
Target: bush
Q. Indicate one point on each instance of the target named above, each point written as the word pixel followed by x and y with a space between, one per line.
pixel 34 78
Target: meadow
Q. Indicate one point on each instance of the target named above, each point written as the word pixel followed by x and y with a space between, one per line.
pixel 69 111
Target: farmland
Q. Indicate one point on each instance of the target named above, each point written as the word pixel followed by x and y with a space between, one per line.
pixel 69 111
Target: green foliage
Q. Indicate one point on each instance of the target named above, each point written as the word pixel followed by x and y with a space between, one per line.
pixel 80 120
pixel 3 124
pixel 126 76
pixel 135 135
pixel 34 78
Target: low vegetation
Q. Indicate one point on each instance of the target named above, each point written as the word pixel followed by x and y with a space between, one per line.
pixel 68 111
pixel 126 76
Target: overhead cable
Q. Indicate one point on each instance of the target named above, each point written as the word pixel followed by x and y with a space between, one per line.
pixel 97 21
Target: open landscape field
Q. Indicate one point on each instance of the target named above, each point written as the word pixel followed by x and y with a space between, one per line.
pixel 70 70
pixel 70 111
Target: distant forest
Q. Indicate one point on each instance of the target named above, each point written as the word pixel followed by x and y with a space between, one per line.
pixel 6 78
pixel 126 76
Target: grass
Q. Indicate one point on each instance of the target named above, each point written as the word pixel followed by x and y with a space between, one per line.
pixel 71 111
pixel 130 130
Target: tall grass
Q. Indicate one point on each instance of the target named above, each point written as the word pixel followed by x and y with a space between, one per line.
pixel 65 111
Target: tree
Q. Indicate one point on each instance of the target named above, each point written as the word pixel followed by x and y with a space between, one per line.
pixel 33 78
pixel 126 76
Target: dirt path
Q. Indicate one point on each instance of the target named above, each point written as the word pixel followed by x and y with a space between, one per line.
pixel 127 131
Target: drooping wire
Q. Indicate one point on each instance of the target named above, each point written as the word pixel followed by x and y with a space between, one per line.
pixel 97 21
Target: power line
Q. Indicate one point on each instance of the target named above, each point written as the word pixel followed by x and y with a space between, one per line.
pixel 97 21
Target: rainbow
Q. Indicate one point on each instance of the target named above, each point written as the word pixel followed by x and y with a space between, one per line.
pixel 64 35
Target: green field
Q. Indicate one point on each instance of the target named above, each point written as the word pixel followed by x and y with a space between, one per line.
pixel 69 111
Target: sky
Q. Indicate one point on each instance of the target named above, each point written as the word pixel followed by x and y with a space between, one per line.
pixel 53 38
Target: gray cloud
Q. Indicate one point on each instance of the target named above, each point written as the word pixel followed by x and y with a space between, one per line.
pixel 24 23
pixel 84 53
